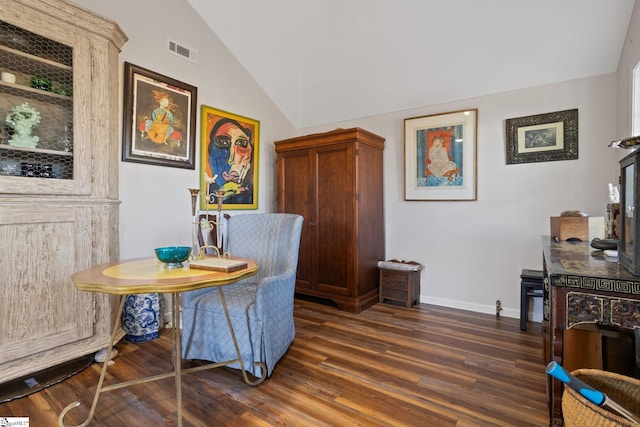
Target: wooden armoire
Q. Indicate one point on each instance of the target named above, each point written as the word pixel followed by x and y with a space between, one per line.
pixel 335 181
pixel 59 203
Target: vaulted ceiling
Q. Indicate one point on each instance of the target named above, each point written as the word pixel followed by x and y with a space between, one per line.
pixel 323 61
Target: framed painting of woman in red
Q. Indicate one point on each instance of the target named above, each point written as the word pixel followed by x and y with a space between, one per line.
pixel 440 156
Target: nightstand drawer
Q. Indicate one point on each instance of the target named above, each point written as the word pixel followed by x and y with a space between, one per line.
pixel 395 285
pixel 394 294
pixel 395 276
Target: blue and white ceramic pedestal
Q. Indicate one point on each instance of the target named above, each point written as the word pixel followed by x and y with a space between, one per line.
pixel 143 317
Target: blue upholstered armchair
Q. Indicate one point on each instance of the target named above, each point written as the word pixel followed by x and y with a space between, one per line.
pixel 260 307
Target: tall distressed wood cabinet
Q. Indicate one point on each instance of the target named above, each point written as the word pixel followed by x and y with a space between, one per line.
pixel 58 180
pixel 335 181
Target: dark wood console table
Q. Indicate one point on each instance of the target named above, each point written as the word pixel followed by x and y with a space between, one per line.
pixel 581 286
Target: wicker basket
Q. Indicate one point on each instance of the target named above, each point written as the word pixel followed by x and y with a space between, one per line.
pixel 579 412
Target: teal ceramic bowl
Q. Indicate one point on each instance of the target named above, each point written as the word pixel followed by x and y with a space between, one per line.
pixel 173 256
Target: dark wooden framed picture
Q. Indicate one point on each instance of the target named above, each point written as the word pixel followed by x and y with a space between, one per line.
pixel 543 137
pixel 159 123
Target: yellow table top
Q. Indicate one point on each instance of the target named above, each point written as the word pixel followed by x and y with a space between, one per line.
pixel 140 276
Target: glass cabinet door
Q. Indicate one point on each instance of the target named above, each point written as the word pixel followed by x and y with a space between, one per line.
pixel 629 211
pixel 36 106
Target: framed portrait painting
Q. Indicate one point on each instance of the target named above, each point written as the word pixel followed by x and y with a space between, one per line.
pixel 543 137
pixel 440 156
pixel 159 119
pixel 229 154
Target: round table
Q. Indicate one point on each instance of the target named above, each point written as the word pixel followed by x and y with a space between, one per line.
pixel 139 276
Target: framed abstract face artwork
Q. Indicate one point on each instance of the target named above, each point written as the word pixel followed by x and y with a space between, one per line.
pixel 440 156
pixel 229 152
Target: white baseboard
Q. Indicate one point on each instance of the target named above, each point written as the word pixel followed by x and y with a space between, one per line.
pixel 535 308
pixel 478 308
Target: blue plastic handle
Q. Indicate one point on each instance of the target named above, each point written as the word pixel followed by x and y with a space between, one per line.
pixel 594 396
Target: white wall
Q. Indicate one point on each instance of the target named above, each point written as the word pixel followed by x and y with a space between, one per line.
pixel 628 59
pixel 156 206
pixel 473 251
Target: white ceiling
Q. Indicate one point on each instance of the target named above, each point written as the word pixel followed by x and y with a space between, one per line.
pixel 325 61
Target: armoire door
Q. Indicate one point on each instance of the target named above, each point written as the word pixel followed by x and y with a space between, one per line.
pixel 295 195
pixel 336 230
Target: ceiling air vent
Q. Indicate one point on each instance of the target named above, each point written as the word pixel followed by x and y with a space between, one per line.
pixel 183 51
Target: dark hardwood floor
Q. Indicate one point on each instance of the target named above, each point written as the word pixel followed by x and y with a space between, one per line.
pixel 387 366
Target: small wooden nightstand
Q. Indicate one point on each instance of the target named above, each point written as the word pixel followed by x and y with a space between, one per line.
pixel 400 282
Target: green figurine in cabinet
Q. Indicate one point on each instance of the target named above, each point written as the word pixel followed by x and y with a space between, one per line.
pixel 22 119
